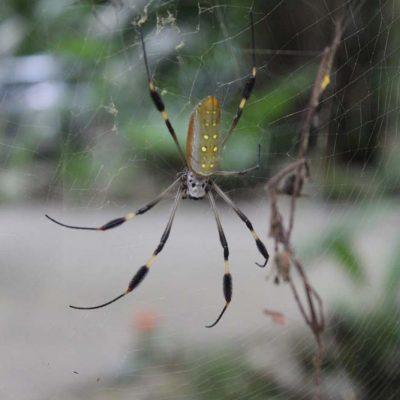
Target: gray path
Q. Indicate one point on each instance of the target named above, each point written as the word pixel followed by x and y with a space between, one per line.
pixel 45 267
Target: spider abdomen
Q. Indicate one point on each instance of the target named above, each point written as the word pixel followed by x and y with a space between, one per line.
pixel 203 145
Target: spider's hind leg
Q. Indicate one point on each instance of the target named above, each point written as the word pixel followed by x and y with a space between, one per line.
pixel 227 279
pixel 143 270
pixel 260 245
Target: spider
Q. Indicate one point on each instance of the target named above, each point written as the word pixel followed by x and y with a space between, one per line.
pixel 203 150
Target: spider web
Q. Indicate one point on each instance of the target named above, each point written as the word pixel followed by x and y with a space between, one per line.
pixel 82 142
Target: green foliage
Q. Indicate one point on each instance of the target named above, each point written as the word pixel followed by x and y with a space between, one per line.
pixel 366 342
pixel 76 166
pixel 89 49
pixel 341 248
pixel 363 343
pixel 338 244
pixel 366 345
pixel 392 281
pixel 390 170
pixel 280 98
pixel 96 44
pixel 226 376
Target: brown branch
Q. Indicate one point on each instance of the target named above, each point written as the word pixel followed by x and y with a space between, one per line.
pixel 292 176
pixel 322 80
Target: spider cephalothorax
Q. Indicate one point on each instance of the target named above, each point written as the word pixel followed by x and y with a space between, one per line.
pixel 204 145
pixel 196 187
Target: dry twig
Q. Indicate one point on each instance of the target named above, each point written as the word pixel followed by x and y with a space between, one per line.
pixel 289 180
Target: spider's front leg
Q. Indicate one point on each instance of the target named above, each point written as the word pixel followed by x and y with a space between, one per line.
pixel 119 221
pixel 248 87
pixel 159 103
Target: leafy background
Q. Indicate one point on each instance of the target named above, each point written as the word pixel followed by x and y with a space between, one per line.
pixel 78 132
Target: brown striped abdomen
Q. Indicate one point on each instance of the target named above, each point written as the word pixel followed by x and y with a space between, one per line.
pixel 203 144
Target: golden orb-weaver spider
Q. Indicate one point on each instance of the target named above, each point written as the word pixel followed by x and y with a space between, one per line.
pixel 203 150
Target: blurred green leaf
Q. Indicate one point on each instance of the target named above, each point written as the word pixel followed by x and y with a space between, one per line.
pixel 281 99
pixel 365 345
pixel 225 376
pixel 339 246
pixel 392 282
pixel 88 49
pixel 77 168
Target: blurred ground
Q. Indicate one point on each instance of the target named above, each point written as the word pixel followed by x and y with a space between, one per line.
pixel 45 267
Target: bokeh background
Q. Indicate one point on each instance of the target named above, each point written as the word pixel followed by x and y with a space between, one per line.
pixel 80 140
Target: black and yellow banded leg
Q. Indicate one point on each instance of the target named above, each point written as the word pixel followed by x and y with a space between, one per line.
pixel 119 221
pixel 143 270
pixel 227 279
pixel 248 87
pixel 159 103
pixel 260 245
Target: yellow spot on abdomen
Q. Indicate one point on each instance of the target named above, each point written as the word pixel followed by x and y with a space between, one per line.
pixel 203 146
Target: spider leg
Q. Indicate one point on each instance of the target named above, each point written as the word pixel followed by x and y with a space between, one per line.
pixel 248 87
pixel 260 245
pixel 143 270
pixel 227 279
pixel 244 171
pixel 159 103
pixel 119 221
